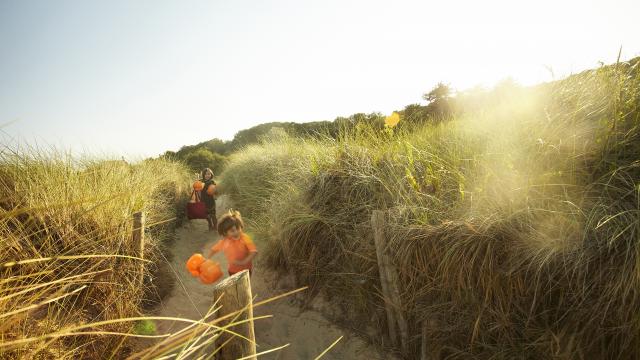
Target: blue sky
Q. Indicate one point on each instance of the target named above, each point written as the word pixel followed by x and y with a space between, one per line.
pixel 136 78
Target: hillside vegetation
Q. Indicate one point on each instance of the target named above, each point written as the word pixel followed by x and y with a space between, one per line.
pixel 513 219
pixel 214 153
pixel 67 255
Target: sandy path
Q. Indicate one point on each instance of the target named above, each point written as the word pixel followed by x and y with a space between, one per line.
pixel 307 332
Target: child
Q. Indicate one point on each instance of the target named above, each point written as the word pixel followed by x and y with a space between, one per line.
pixel 237 246
pixel 208 198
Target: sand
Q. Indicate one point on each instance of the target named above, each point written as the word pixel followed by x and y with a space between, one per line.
pixel 307 331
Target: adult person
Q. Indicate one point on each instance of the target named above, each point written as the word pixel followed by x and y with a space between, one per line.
pixel 207 195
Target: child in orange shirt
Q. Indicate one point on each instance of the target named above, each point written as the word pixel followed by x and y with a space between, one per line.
pixel 237 246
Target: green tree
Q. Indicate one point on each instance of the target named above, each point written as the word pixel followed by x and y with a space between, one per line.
pixel 439 101
pixel 414 114
pixel 438 93
pixel 216 146
pixel 203 158
pixel 170 155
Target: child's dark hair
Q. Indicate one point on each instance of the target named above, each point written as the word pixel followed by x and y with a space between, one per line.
pixel 229 220
pixel 205 171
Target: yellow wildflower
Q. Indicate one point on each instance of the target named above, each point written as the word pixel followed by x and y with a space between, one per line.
pixel 392 120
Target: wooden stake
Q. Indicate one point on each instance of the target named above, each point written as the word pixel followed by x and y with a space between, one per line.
pixel 234 294
pixel 429 351
pixel 389 282
pixel 378 223
pixel 138 239
pixel 424 355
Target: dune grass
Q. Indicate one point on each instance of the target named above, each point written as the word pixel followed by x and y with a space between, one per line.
pixel 67 257
pixel 70 282
pixel 514 226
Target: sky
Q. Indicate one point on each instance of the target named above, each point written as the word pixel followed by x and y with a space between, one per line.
pixel 134 78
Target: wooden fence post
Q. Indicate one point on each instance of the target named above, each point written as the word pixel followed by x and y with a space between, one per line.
pixel 424 350
pixel 429 350
pixel 138 240
pixel 234 294
pixel 377 223
pixel 389 282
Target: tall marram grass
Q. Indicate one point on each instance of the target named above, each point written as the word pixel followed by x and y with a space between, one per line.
pixel 514 226
pixel 66 252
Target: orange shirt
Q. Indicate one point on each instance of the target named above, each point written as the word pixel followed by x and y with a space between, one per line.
pixel 236 250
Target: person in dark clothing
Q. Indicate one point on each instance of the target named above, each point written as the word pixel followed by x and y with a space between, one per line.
pixel 207 195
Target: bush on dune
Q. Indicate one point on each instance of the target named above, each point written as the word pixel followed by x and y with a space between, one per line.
pixel 66 226
pixel 513 226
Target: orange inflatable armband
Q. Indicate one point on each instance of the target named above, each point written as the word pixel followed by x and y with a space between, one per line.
pixel 198 185
pixel 210 272
pixel 193 264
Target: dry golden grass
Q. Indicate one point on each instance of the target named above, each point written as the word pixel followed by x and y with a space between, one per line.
pixel 70 285
pixel 69 267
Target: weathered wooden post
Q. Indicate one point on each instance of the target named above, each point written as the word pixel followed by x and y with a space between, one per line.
pixel 424 350
pixel 233 295
pixel 429 350
pixel 377 224
pixel 138 240
pixel 389 282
